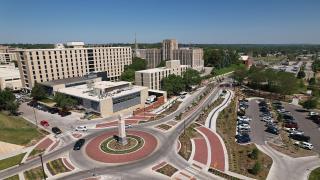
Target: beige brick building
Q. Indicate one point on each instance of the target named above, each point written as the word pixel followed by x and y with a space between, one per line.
pixel 168 45
pixel 6 58
pixel 190 56
pixel 152 56
pixel 10 77
pixel 41 65
pixel 151 78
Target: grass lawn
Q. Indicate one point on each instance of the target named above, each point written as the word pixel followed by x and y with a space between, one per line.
pixel 15 177
pixel 17 130
pixel 34 174
pixel 239 160
pixel 36 152
pixel 57 167
pixel 48 102
pixel 11 161
pixel 164 126
pixel 167 170
pixel 185 140
pixel 315 174
pixel 227 69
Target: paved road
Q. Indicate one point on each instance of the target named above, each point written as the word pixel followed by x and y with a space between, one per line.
pixel 310 128
pixel 308 70
pixel 160 153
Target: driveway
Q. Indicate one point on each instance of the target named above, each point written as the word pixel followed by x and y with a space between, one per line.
pixel 310 128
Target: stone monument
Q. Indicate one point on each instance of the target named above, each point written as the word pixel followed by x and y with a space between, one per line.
pixel 122 131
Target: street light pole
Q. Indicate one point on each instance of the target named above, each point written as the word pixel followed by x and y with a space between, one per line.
pixel 35 117
pixel 44 175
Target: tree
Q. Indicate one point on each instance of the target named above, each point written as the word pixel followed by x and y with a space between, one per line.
pixel 128 75
pixel 191 77
pixel 301 74
pixel 254 154
pixel 173 84
pixel 256 168
pixel 6 96
pixel 240 74
pixel 161 64
pixel 63 101
pixel 310 104
pixel 312 81
pixel 12 107
pixel 38 92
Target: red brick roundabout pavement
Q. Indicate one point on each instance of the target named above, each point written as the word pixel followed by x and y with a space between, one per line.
pixel 94 151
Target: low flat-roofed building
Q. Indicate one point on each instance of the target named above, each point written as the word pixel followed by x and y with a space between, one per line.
pixel 246 60
pixel 151 78
pixel 6 58
pixel 108 98
pixel 10 77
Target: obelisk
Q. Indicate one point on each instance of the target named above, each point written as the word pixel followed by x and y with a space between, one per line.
pixel 122 131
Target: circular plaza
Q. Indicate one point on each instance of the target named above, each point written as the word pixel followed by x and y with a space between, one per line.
pixel 106 149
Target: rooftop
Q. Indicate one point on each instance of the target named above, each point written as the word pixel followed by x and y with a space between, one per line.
pixel 9 71
pixel 98 93
pixel 68 80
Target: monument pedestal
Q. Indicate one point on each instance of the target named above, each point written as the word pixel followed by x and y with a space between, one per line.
pixel 122 131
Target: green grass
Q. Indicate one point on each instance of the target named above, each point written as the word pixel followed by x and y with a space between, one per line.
pixel 17 130
pixel 315 174
pixel 57 167
pixel 34 174
pixel 15 177
pixel 47 101
pixel 11 161
pixel 227 69
pixel 105 148
pixel 36 152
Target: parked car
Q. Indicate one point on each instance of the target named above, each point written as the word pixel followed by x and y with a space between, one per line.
pixel 267 119
pixel 44 123
pixel 128 126
pixel 78 144
pixel 313 113
pixel 290 129
pixel 81 128
pixel 296 132
pixel 152 99
pixel 32 103
pixel 244 118
pixel 53 110
pixel 300 137
pixel 304 145
pixel 242 122
pixel 291 125
pixel 64 113
pixel 244 126
pixel 56 130
pixel 243 138
pixel 272 130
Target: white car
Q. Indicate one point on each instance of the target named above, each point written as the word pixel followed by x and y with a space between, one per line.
pixel 290 129
pixel 128 126
pixel 81 128
pixel 296 132
pixel 247 126
pixel 244 118
pixel 313 113
pixel 267 119
pixel 304 145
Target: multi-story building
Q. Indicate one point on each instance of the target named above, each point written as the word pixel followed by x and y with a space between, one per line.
pixel 170 51
pixel 151 78
pixel 168 45
pixel 152 56
pixel 6 57
pixel 76 60
pixel 190 56
pixel 108 98
pixel 10 77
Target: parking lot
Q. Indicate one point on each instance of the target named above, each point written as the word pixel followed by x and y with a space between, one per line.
pixel 310 128
pixel 258 134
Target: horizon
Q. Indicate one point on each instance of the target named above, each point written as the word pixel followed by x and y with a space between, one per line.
pixel 201 22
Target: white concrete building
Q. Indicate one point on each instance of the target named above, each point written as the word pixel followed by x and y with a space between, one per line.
pixel 10 77
pixel 151 78
pixel 6 58
pixel 108 98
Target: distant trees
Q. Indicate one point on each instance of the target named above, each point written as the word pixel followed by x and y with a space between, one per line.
pixel 129 71
pixel 220 58
pixel 38 92
pixel 8 101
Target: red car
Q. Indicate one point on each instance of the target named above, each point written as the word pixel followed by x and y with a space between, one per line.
pixel 44 123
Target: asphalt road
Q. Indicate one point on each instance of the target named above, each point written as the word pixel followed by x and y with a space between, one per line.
pixel 310 128
pixel 165 148
pixel 257 134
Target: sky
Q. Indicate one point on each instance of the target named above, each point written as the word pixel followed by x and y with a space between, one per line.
pixel 188 21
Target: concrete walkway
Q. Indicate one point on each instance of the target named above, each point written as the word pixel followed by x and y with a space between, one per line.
pixel 8 149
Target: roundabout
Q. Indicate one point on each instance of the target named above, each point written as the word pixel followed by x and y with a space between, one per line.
pixel 106 149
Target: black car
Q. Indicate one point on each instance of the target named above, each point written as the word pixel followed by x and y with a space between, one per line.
pixel 78 144
pixel 243 138
pixel 264 110
pixel 64 113
pixel 272 130
pixel 53 110
pixel 56 130
pixel 32 103
pixel 300 137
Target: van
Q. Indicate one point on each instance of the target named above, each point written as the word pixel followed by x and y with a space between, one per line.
pixel 151 99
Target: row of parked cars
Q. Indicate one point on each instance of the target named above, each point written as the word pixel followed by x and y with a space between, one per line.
pixel 267 117
pixel 291 126
pixel 243 123
pixel 52 110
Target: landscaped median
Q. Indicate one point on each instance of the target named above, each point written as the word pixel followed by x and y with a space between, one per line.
pixel 34 174
pixel 111 146
pixel 57 166
pixel 185 140
pixel 243 159
pixel 11 161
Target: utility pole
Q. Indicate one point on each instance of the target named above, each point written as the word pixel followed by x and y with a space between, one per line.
pixel 44 174
pixel 35 117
